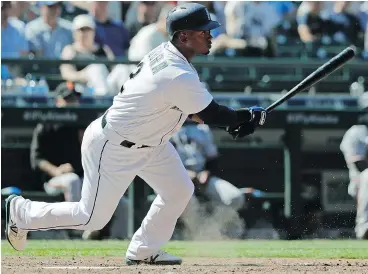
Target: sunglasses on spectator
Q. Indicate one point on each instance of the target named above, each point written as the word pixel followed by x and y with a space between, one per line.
pixel 85 29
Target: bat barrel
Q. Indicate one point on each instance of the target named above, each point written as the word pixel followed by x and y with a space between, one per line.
pixel 320 73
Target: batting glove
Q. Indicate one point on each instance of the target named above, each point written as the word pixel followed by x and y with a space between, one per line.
pixel 258 115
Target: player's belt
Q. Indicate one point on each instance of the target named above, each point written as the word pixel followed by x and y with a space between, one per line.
pixel 124 143
pixel 129 144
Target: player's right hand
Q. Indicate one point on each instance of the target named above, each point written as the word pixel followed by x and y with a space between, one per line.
pixel 258 115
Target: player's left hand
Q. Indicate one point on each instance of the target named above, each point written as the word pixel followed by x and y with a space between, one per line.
pixel 242 130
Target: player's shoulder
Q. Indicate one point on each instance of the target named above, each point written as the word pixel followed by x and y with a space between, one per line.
pixel 175 69
pixel 176 59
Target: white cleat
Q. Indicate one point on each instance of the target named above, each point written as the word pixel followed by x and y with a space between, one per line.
pixel 16 237
pixel 159 258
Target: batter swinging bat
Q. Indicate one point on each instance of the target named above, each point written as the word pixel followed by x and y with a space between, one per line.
pixel 316 76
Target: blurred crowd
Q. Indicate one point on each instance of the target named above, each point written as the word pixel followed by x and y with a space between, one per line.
pixel 88 30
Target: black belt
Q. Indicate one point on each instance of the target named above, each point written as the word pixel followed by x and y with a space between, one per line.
pixel 124 143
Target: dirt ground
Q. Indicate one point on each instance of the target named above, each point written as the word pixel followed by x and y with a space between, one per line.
pixel 57 265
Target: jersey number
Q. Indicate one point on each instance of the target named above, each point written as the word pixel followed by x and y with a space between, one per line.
pixel 133 74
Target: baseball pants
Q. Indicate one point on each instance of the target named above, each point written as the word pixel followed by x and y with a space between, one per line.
pixel 70 184
pixel 108 170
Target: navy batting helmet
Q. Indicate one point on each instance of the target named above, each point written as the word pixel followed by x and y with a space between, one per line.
pixel 189 16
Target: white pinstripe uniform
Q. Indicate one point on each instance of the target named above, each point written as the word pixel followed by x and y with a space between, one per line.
pixel 355 148
pixel 152 107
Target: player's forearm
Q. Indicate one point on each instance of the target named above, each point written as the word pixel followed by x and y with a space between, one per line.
pixel 222 116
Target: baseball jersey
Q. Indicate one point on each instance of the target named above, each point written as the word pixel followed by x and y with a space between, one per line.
pixel 194 144
pixel 160 94
pixel 354 146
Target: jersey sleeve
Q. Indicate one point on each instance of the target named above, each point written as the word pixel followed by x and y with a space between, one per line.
pixel 354 144
pixel 188 94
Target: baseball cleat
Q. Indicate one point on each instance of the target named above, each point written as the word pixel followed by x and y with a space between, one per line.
pixel 160 258
pixel 16 237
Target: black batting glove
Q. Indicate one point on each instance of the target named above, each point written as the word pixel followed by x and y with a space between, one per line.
pixel 257 118
pixel 258 115
pixel 242 130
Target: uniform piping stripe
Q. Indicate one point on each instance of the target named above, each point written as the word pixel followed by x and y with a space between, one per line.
pixel 94 202
pixel 171 129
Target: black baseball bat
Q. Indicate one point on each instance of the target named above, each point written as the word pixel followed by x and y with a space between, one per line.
pixel 316 76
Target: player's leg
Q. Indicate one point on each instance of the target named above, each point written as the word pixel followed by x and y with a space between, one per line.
pixel 167 176
pixel 361 228
pixel 104 183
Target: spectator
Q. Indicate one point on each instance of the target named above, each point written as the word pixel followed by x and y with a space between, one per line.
pixel 285 9
pixel 149 36
pixel 96 76
pixel 56 153
pixel 363 15
pixel 344 27
pixel 13 40
pixel 85 48
pixel 69 10
pixel 327 6
pixel 234 17
pixel 249 29
pixel 49 33
pixel 363 18
pixel 310 23
pixel 23 11
pixel 146 14
pixel 260 19
pixel 111 33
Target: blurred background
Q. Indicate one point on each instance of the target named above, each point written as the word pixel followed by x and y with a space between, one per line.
pixel 62 63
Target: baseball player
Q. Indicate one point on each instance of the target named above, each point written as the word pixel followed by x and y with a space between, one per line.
pixel 198 152
pixel 354 146
pixel 132 139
